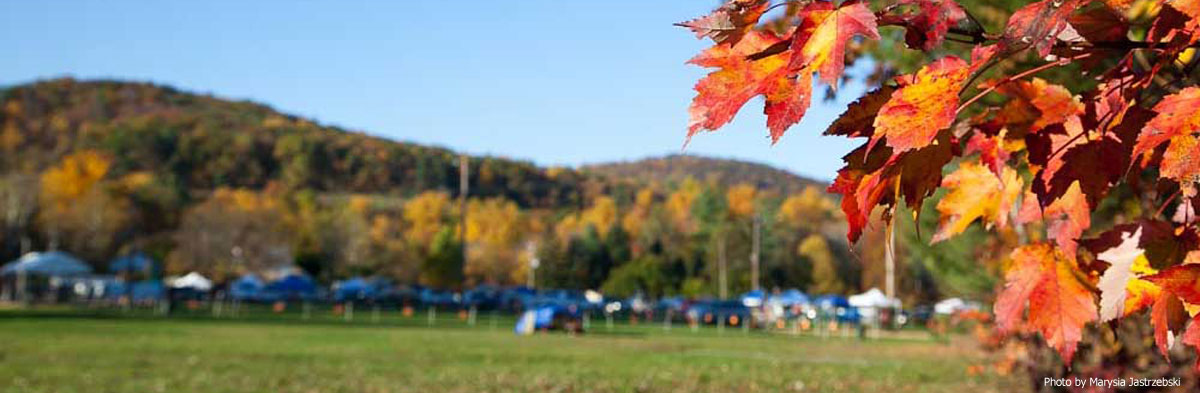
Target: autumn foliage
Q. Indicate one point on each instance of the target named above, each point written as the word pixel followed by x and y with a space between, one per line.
pixel 1027 156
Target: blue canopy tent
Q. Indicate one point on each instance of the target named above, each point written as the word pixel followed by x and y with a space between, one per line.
pixel 49 264
pixel 53 265
pixel 133 262
pixel 293 286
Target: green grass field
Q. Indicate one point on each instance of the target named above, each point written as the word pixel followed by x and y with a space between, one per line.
pixel 75 354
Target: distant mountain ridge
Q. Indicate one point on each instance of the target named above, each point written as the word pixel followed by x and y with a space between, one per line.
pixel 200 142
pixel 723 172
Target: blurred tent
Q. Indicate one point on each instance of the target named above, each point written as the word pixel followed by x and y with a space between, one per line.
pixel 954 305
pixel 132 262
pixel 869 303
pixel 137 291
pixel 789 297
pixel 247 287
pixel 293 286
pixel 194 281
pixel 359 288
pixel 873 298
pixel 753 298
pixel 832 301
pixel 50 264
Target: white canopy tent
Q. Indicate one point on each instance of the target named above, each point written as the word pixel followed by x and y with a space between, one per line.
pixel 870 302
pixel 873 298
pixel 192 280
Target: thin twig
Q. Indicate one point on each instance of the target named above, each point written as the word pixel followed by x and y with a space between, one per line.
pixel 1031 71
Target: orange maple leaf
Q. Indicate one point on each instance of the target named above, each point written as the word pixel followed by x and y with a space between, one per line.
pixel 1177 122
pixel 1059 304
pixel 1066 218
pixel 1177 115
pixel 976 193
pixel 820 42
pixel 722 93
pixel 926 103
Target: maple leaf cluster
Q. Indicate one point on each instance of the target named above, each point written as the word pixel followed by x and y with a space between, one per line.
pixel 1011 149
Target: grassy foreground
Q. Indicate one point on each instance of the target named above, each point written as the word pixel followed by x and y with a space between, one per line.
pixel 146 355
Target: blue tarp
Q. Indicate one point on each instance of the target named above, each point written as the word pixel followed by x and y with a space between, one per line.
pixel 53 263
pixel 135 262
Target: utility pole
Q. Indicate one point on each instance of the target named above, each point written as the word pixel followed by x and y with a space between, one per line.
pixel 722 269
pixel 463 189
pixel 889 257
pixel 756 243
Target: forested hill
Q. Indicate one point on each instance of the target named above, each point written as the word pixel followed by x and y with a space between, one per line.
pixel 199 142
pixel 723 172
pixel 100 169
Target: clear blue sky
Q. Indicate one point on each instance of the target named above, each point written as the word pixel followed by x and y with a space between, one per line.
pixel 556 82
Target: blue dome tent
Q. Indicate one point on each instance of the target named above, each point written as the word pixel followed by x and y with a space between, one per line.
pixel 247 287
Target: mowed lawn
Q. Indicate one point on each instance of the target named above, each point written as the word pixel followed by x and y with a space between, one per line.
pixel 147 355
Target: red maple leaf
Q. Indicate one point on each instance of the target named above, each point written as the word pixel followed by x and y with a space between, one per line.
pixel 819 43
pixel 1037 26
pixel 1167 315
pixel 927 23
pixel 1181 280
pixel 729 23
pixel 878 177
pixel 991 151
pixel 722 93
